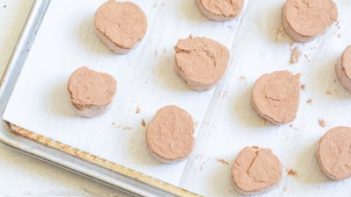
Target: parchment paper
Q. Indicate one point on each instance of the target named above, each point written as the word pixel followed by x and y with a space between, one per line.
pixel 146 80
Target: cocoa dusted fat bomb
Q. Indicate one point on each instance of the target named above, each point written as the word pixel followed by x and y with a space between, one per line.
pixel 169 136
pixel 256 170
pixel 303 20
pixel 343 69
pixel 220 10
pixel 120 25
pixel 333 153
pixel 275 96
pixel 90 91
pixel 200 62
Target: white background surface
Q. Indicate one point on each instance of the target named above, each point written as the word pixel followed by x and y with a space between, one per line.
pixel 20 175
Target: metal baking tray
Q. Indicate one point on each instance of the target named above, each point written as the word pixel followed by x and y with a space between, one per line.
pixel 62 155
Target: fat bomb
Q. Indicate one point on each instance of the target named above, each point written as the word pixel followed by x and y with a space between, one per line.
pixel 200 62
pixel 275 96
pixel 90 91
pixel 220 10
pixel 169 136
pixel 343 69
pixel 120 25
pixel 303 20
pixel 256 170
pixel 333 153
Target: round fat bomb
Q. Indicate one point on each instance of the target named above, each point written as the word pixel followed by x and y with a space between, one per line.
pixel 334 153
pixel 91 92
pixel 169 136
pixel 275 96
pixel 120 25
pixel 343 69
pixel 255 170
pixel 200 62
pixel 220 10
pixel 303 20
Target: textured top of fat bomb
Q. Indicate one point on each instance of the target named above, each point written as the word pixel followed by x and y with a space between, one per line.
pixel 334 153
pixel 91 88
pixel 222 8
pixel 346 61
pixel 310 17
pixel 170 133
pixel 256 169
pixel 124 23
pixel 276 96
pixel 200 60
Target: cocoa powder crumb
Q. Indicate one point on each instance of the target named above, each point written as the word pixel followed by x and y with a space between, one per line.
pixel 309 101
pixel 292 172
pixel 143 123
pixel 137 110
pixel 322 123
pixel 295 55
pixel 222 161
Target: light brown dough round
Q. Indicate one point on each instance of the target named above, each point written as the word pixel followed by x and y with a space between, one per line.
pixel 200 62
pixel 343 69
pixel 334 153
pixel 255 170
pixel 120 25
pixel 169 136
pixel 303 20
pixel 220 10
pixel 275 96
pixel 91 92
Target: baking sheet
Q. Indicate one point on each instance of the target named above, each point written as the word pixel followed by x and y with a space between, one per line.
pixel 146 80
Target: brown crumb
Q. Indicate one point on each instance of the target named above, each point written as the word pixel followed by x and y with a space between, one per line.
pixel 328 92
pixel 309 101
pixel 143 123
pixel 137 110
pixel 279 33
pixel 322 123
pixel 292 172
pixel 222 161
pixel 334 80
pixel 295 55
pixel 303 86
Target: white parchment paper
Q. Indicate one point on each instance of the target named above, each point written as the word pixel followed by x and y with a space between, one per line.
pixel 146 80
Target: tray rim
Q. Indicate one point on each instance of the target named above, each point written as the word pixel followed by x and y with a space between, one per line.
pixel 62 155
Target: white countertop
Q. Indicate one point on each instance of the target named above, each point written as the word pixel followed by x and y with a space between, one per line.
pixel 21 175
